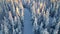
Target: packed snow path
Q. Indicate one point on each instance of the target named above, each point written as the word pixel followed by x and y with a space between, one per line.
pixel 28 29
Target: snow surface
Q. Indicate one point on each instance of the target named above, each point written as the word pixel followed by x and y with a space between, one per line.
pixel 28 29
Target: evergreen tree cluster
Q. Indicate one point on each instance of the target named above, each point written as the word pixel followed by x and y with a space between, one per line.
pixel 45 16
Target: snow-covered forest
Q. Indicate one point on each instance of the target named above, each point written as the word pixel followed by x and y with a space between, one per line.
pixel 29 16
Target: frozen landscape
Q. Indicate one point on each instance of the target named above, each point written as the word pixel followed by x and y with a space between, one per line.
pixel 29 16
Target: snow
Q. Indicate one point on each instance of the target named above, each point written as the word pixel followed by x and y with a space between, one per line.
pixel 28 29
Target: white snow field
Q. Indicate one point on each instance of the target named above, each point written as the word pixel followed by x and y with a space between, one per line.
pixel 28 29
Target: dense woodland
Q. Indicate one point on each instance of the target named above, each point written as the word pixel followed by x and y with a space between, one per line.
pixel 38 16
